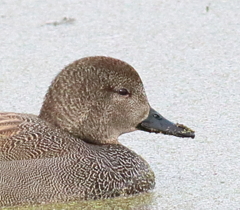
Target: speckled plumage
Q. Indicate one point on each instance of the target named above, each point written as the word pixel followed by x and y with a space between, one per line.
pixel 71 150
pixel 43 159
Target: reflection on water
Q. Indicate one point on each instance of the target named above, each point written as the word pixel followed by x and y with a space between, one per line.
pixel 144 201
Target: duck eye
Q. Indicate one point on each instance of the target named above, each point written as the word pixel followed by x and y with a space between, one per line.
pixel 123 92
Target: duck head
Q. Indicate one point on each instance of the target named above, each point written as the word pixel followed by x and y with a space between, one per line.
pixel 99 98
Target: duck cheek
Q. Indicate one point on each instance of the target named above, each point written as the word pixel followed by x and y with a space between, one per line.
pixel 132 119
pixel 145 113
pixel 140 113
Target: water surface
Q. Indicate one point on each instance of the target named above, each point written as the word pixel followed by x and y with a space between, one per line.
pixel 187 54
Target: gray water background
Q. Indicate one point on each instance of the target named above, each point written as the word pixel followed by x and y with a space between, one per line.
pixel 188 56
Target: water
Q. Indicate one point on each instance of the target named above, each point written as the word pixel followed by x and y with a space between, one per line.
pixel 187 54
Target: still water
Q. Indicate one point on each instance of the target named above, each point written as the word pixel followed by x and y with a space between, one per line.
pixel 187 55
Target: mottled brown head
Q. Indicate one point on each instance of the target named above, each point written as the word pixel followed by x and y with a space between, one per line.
pixel 96 99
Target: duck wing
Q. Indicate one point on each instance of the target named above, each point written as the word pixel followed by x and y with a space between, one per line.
pixel 9 125
pixel 25 136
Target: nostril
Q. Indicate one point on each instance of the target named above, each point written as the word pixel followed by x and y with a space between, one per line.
pixel 157 116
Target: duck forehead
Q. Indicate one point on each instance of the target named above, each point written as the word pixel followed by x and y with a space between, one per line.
pixel 93 73
pixel 111 67
pixel 125 79
pixel 118 73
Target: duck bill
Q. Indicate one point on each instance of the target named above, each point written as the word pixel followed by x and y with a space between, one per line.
pixel 158 124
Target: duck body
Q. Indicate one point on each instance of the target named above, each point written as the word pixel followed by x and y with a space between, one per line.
pixel 50 165
pixel 70 151
pixel 85 171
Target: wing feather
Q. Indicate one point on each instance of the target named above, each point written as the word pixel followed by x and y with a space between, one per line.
pixel 9 124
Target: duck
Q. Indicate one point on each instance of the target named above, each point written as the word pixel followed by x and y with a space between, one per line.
pixel 70 151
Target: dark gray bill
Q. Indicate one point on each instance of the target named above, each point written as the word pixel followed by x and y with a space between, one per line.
pixel 158 124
